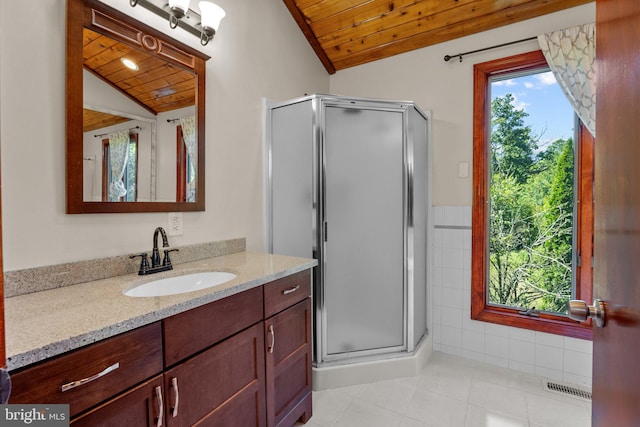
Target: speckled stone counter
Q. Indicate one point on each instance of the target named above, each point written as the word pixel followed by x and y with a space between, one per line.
pixel 43 324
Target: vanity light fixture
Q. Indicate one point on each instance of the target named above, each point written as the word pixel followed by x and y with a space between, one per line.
pixel 178 14
pixel 212 14
pixel 177 10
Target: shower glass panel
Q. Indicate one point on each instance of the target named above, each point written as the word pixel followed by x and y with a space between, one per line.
pixel 364 283
pixel 291 205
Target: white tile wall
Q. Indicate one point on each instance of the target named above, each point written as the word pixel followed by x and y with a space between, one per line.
pixel 547 355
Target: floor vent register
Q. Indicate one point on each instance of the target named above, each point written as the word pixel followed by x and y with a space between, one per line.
pixel 567 390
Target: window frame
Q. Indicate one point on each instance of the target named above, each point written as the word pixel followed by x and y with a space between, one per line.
pixel 480 309
pixel 181 166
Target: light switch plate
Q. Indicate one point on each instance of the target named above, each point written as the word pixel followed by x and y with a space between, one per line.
pixel 175 224
pixel 463 169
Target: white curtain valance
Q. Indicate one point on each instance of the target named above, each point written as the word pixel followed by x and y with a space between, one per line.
pixel 189 135
pixel 571 54
pixel 118 156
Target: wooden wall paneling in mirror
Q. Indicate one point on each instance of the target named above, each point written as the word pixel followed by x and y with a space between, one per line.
pixel 171 83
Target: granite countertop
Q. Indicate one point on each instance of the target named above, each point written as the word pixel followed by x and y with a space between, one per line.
pixel 43 324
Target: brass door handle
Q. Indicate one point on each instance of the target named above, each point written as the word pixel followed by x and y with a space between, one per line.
pixel 580 311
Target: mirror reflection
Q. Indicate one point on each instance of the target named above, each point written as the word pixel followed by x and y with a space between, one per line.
pixel 139 126
pixel 135 108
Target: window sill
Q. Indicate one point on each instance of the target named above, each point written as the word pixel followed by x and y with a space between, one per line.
pixel 544 323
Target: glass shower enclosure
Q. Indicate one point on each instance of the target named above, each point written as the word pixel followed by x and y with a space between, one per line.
pixel 347 182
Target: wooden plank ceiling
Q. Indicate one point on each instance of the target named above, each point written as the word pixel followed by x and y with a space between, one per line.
pixel 158 86
pixel 345 33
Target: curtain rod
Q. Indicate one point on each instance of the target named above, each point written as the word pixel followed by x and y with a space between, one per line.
pixel 460 55
pixel 103 134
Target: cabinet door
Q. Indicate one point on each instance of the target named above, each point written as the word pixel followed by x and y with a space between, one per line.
pixel 142 406
pixel 288 361
pixel 222 386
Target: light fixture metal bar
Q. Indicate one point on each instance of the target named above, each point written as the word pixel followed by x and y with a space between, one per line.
pixel 190 22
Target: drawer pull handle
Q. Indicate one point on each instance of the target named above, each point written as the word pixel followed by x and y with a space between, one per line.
pixel 160 406
pixel 290 290
pixel 176 400
pixel 78 383
pixel 273 339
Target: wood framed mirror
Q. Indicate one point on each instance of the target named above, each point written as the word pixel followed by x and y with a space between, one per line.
pixel 160 106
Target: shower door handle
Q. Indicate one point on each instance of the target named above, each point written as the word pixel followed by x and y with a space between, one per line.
pixel 326 232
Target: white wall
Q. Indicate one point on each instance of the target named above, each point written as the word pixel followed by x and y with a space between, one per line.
pixel 446 88
pixel 258 52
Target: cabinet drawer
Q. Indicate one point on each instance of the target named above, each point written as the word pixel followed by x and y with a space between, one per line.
pixel 285 292
pixel 108 367
pixel 192 331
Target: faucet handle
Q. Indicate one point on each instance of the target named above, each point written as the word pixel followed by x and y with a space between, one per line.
pixel 144 262
pixel 166 260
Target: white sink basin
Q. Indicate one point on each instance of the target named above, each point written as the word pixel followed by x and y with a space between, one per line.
pixel 180 284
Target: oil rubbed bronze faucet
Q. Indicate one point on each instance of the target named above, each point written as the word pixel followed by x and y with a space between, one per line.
pixel 156 265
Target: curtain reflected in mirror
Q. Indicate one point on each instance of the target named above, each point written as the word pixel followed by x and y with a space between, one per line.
pixel 123 178
pixel 189 170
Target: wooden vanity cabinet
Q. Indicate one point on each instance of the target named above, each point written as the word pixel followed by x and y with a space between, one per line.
pixel 287 329
pixel 242 361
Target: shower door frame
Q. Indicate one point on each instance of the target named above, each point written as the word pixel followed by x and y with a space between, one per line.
pixel 319 105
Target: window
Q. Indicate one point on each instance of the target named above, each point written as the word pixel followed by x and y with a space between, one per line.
pixel 130 176
pixel 532 207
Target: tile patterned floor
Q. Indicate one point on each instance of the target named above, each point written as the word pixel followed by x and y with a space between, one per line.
pixel 450 392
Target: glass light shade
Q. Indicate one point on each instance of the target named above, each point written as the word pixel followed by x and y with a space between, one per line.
pixel 179 4
pixel 211 15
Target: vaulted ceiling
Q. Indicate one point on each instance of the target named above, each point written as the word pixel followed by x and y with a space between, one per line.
pixel 345 33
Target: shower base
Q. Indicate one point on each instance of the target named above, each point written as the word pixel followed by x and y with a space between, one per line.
pixel 362 371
